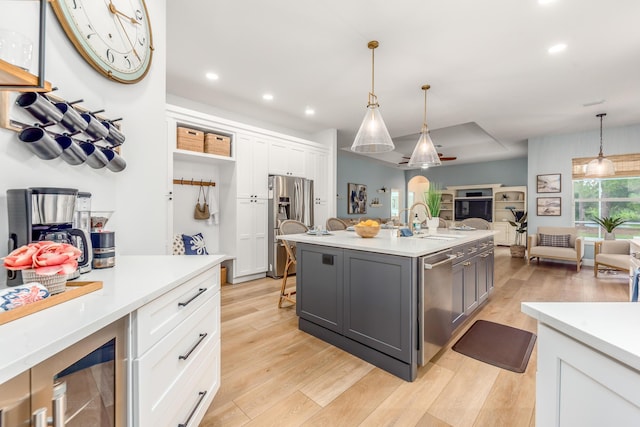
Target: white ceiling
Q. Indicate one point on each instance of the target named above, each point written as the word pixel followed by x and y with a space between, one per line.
pixel 493 84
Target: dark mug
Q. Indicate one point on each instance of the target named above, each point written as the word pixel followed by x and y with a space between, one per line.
pixel 40 143
pixel 39 107
pixel 115 137
pixel 95 157
pixel 71 119
pixel 94 129
pixel 72 153
pixel 116 162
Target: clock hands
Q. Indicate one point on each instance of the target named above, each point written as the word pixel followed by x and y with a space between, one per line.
pixel 115 11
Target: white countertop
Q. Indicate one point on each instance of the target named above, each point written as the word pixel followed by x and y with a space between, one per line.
pixel 387 242
pixel 133 282
pixel 609 327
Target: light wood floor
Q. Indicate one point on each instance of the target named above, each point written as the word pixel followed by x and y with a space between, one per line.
pixel 275 375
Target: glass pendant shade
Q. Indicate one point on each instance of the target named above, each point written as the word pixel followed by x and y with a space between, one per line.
pixel 424 154
pixel 600 166
pixel 373 136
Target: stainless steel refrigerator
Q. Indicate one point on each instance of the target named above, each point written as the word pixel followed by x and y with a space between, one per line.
pixel 289 198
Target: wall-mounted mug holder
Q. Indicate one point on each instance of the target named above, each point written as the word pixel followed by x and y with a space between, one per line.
pixel 60 129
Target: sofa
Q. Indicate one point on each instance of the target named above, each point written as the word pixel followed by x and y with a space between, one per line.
pixel 561 243
pixel 612 254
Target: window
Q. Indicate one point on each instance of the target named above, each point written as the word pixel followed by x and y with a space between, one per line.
pixel 613 197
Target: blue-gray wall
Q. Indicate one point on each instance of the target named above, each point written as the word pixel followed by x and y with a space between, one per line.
pixel 508 172
pixel 360 170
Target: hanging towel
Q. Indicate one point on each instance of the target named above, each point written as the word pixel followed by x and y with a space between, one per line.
pixel 214 209
pixel 635 285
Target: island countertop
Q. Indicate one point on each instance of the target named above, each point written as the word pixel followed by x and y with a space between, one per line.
pixel 133 282
pixel 387 241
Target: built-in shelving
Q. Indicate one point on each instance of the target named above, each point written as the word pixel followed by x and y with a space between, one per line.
pixel 14 78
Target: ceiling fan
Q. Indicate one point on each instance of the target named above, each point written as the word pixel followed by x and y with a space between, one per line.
pixel 442 157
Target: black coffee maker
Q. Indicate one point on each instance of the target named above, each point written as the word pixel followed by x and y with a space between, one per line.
pixel 42 213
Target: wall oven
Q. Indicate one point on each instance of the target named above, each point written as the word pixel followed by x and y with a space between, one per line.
pixel 83 385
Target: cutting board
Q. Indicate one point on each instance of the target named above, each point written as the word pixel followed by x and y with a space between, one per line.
pixel 73 290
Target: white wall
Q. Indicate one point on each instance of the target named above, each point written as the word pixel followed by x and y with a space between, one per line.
pixel 138 194
pixel 553 154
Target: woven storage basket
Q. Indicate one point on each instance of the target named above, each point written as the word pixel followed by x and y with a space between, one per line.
pixel 190 139
pixel 55 283
pixel 217 144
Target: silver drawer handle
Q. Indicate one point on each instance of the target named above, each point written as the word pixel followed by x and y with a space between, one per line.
pixel 200 292
pixel 195 408
pixel 484 255
pixel 466 264
pixel 431 266
pixel 186 356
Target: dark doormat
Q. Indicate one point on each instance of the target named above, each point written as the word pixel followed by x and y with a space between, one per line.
pixel 496 344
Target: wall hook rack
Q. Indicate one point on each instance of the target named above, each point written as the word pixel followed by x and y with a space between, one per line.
pixel 198 182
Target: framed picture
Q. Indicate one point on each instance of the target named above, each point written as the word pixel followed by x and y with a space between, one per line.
pixel 357 198
pixel 550 183
pixel 548 206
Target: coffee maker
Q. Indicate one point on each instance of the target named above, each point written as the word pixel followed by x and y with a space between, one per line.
pixel 43 213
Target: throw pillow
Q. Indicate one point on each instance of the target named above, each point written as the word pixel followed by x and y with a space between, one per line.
pixel 555 240
pixel 178 245
pixel 194 245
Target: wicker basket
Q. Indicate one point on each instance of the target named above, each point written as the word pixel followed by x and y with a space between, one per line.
pixel 55 283
pixel 366 231
pixel 190 139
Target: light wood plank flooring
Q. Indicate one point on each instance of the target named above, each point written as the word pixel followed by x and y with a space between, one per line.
pixel 275 375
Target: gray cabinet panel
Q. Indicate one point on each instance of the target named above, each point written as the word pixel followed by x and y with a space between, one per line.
pixel 482 276
pixel 319 290
pixel 470 285
pixel 379 300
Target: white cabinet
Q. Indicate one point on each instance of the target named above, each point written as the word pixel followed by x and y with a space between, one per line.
pixel 176 353
pixel 252 171
pixel 286 158
pixel 506 233
pixel 446 205
pixel 251 255
pixel 577 385
pixel 317 169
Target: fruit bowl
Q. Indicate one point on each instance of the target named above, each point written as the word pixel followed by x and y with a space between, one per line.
pixel 367 231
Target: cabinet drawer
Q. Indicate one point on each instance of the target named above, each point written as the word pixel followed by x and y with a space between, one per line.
pixel 174 405
pixel 176 354
pixel 156 319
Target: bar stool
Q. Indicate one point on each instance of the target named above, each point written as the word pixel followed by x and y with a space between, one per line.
pixel 289 226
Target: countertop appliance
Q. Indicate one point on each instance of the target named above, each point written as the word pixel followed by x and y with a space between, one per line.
pixel 289 198
pixel 82 221
pixel 435 303
pixel 42 213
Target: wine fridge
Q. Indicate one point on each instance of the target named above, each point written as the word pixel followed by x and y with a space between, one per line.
pixel 82 385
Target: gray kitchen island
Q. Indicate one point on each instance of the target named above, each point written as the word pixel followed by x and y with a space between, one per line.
pixel 392 301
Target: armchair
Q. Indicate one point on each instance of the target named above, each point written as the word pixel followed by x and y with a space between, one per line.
pixel 613 254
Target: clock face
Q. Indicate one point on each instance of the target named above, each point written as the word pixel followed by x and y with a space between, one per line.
pixel 114 36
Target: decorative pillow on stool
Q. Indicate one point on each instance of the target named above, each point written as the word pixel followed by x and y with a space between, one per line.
pixel 194 245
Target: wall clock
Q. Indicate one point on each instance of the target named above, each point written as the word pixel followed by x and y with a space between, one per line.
pixel 113 36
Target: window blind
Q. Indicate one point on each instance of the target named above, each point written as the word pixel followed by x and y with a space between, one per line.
pixel 626 165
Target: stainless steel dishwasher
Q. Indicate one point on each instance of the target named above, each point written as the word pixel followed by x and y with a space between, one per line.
pixel 435 303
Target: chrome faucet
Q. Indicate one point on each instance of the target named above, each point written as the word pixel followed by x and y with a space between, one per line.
pixel 411 210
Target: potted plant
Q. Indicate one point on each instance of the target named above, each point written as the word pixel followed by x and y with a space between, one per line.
pixel 520 224
pixel 433 199
pixel 609 224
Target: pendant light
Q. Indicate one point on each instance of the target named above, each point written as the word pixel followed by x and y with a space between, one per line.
pixel 373 136
pixel 600 166
pixel 425 154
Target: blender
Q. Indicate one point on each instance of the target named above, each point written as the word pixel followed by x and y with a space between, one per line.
pixel 103 241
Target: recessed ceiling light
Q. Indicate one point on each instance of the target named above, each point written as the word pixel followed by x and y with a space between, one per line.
pixel 557 48
pixel 267 97
pixel 309 111
pixel 212 76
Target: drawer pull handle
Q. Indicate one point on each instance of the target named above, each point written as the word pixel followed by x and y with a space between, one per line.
pixel 186 356
pixel 466 264
pixel 200 292
pixel 195 408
